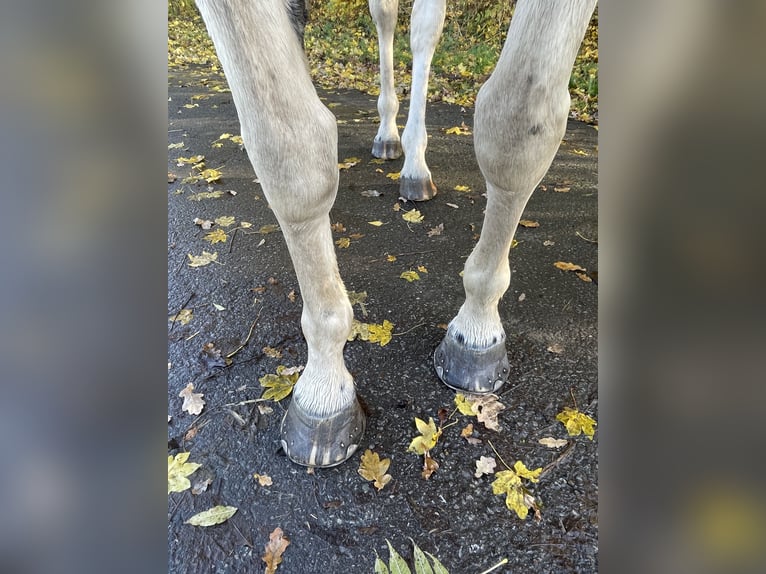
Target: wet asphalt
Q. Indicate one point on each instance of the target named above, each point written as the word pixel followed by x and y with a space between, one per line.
pixel 335 520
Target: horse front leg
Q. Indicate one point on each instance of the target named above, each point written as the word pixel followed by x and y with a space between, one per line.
pixel 386 144
pixel 291 140
pixel 521 115
pixel 426 26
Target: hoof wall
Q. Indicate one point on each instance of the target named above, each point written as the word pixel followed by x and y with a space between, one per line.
pixel 416 189
pixel 386 149
pixel 322 442
pixel 471 370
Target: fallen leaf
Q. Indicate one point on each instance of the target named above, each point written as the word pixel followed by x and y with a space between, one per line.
pixel 225 220
pixel 396 563
pixel 486 408
pixel 224 136
pixel 212 357
pixel 430 466
pixel 551 442
pixel 274 550
pixel 263 479
pixel 272 352
pixel 548 243
pixel 266 229
pixel 172 177
pixel 202 260
pixel 577 423
pixel 203 223
pixel 579 152
pixel 462 130
pixel 413 216
pixel 584 276
pixel 218 235
pixel 566 266
pixel 436 230
pixel 453 206
pixel 373 468
pixel 394 176
pixel 212 516
pixel 390 258
pixel 485 465
pixel 176 145
pixel 279 385
pixel 381 334
pixel 562 189
pixel 358 299
pixel 338 227
pixel 343 242
pixel 190 106
pixel 556 348
pixel 237 140
pixel 348 163
pixel 508 482
pixel 179 470
pixel 396 207
pixel 464 405
pixel 467 431
pixel 183 316
pixel 211 175
pixel 181 161
pixel 201 486
pixel 219 307
pixel 206 195
pixel 422 269
pixel 291 296
pixel 193 403
pixel 529 223
pixel 410 276
pixel 461 188
pixel 427 438
pixel 371 193
pixel 245 224
pixel 375 223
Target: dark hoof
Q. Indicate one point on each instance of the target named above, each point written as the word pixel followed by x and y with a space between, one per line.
pixel 416 189
pixel 321 442
pixel 471 370
pixel 387 149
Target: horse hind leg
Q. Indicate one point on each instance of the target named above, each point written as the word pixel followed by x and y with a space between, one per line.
pixel 387 144
pixel 520 118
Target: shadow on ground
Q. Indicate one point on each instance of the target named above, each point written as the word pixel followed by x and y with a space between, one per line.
pixel 334 519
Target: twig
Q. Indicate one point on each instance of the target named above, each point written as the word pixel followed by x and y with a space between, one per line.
pixel 574 400
pixel 578 234
pixel 181 309
pixel 408 330
pixel 498 455
pixel 561 457
pixel 190 337
pixel 233 235
pixel 407 253
pixel 250 333
pixel 247 542
pixel 496 566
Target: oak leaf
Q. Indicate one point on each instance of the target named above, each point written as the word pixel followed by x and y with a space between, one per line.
pixel 212 516
pixel 193 403
pixel 274 549
pixel 485 465
pixel 179 470
pixel 577 423
pixel 436 230
pixel 373 468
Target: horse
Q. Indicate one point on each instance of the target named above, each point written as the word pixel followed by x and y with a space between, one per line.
pixel 291 140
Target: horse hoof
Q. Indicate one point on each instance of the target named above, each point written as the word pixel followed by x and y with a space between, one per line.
pixel 309 440
pixel 387 149
pixel 416 189
pixel 463 368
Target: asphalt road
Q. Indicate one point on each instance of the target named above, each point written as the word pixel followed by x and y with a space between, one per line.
pixel 334 519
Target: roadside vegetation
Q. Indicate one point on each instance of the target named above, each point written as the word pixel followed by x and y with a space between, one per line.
pixel 342 48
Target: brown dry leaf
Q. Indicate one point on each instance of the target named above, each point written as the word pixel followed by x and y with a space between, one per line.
pixel 430 466
pixel 291 296
pixel 183 316
pixel 265 229
pixel 193 403
pixel 191 433
pixel 436 230
pixel 205 224
pixel 272 352
pixel 585 277
pixel 373 468
pixel 172 177
pixel 201 486
pixel 485 465
pixel 356 235
pixel 338 227
pixel 566 266
pixel 274 550
pixel 551 442
pixel 422 269
pixel 486 408
pixel 556 348
pixel 529 223
pixel 396 207
pixel 467 431
pixel 263 479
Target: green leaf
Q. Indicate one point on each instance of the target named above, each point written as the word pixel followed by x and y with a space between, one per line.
pixel 438 566
pixel 212 516
pixel 422 566
pixel 380 566
pixel 396 563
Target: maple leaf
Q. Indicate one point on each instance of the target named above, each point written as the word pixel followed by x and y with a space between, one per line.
pixel 225 220
pixel 565 266
pixel 430 466
pixel 216 236
pixel 178 471
pixel 410 276
pixel 202 260
pixel 280 385
pixel 381 334
pixel 210 175
pixel 427 438
pixel 485 465
pixel 274 549
pixel 373 468
pixel 577 423
pixel 343 242
pixel 517 498
pixel 193 403
pixel 263 479
pixel 464 405
pixel 413 216
pixel 181 161
pixel 520 469
pixel 212 516
pixel 183 316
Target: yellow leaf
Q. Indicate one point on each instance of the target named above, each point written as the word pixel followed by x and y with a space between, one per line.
pixel 524 472
pixel 343 242
pixel 245 224
pixel 577 423
pixel 216 236
pixel 380 334
pixel 394 175
pixel 201 260
pixel 579 152
pixel 263 479
pixel 584 277
pixel 562 189
pixel 565 266
pixel 210 175
pixel 463 130
pixel 427 438
pixel 212 516
pixel 190 106
pixel 373 468
pixel 462 188
pixel 176 145
pixel 183 316
pixel 410 276
pixel 224 136
pixel 528 223
pixel 413 216
pixel 178 471
pixel 422 269
pixel 189 160
pixel 464 405
pixel 265 229
pixel 225 220
pixel 375 223
pixel 206 195
pixel 278 386
pixel 390 258
pixel 237 140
